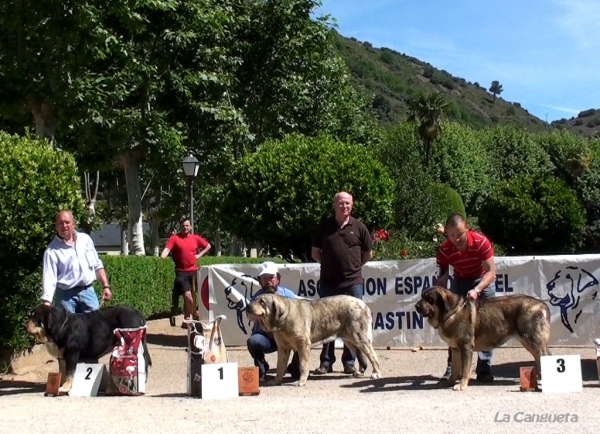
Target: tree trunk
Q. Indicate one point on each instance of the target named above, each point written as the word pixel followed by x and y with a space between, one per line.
pixel 124 242
pixel 218 243
pixel 135 230
pixel 45 119
pixel 154 238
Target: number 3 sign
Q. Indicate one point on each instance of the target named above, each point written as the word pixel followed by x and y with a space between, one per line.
pixel 561 374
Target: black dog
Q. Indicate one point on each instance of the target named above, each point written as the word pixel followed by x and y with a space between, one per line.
pixel 84 336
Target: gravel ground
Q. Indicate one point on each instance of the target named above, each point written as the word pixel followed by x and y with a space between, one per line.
pixel 407 398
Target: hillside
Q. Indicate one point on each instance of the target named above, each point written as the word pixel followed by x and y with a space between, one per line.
pixel 394 78
pixel 586 123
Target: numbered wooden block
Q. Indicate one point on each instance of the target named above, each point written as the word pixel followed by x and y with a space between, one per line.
pixel 219 380
pixel 249 381
pixel 561 374
pixel 53 384
pixel 528 378
pixel 87 379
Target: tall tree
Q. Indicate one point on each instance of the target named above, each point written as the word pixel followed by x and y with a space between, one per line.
pixel 290 80
pixel 496 88
pixel 158 86
pixel 427 111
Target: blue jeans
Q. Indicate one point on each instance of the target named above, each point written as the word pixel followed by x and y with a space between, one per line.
pixel 260 344
pixel 484 358
pixel 328 352
pixel 80 299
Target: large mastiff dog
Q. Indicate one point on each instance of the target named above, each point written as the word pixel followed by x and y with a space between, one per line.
pixel 480 325
pixel 299 324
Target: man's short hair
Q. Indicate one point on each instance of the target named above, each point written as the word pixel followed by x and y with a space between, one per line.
pixel 454 220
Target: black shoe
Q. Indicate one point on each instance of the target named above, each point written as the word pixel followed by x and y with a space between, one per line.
pixel 349 369
pixel 323 369
pixel 447 374
pixel 485 378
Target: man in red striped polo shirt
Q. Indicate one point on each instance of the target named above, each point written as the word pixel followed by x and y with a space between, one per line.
pixel 471 255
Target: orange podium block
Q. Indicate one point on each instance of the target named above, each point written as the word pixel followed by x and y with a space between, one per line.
pixel 528 379
pixel 53 384
pixel 248 381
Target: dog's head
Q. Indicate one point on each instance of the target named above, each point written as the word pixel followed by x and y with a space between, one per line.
pixel 569 285
pixel 270 309
pixel 40 322
pixel 435 302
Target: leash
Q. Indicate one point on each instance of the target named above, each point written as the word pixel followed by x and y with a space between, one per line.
pixel 456 310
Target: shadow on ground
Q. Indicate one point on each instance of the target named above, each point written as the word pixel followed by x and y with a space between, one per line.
pixel 163 340
pixel 20 387
pixel 506 374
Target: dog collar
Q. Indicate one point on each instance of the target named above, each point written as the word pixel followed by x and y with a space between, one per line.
pixel 455 310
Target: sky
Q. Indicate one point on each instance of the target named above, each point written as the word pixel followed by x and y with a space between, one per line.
pixel 544 53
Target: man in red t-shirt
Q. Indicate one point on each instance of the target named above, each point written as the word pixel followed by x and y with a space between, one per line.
pixel 472 257
pixel 184 247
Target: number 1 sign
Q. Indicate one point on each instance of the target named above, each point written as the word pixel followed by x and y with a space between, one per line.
pixel 219 380
pixel 561 374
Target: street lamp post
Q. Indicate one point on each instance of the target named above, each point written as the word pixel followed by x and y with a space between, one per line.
pixel 190 168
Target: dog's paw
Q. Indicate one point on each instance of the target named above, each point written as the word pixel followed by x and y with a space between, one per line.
pixel 460 386
pixel 299 383
pixel 376 375
pixel 358 374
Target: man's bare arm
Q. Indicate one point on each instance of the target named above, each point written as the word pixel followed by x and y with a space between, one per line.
pixel 489 276
pixel 315 252
pixel 366 257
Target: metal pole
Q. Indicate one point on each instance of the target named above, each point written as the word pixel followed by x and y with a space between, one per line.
pixel 192 203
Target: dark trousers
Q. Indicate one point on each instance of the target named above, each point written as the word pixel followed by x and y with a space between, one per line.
pixel 260 344
pixel 461 287
pixel 328 352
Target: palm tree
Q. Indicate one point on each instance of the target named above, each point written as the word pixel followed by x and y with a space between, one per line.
pixel 427 110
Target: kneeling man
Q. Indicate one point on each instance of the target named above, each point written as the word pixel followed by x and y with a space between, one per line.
pixel 260 341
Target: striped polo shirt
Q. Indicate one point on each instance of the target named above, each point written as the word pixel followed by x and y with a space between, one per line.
pixel 468 264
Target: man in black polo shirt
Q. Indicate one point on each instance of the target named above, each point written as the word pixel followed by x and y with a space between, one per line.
pixel 342 245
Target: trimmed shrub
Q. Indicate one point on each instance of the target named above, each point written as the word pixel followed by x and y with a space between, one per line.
pixel 460 160
pixel 514 152
pixel 35 184
pixel 143 282
pixel 534 216
pixel 279 194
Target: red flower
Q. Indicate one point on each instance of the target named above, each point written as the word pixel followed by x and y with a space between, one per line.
pixel 381 235
pixel 403 252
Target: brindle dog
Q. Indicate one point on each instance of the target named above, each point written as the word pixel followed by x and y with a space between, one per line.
pixel 480 325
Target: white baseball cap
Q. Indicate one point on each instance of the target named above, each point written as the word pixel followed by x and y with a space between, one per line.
pixel 267 268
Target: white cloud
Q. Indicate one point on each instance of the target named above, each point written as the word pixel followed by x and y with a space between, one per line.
pixel 581 22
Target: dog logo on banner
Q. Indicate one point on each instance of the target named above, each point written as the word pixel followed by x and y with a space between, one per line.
pixel 238 301
pixel 566 290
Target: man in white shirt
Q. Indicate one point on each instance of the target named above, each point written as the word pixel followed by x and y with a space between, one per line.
pixel 71 264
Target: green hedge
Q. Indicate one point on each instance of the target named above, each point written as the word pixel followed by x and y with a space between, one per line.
pixel 145 282
pixel 35 183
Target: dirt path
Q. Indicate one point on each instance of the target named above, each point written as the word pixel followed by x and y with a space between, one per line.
pixel 407 398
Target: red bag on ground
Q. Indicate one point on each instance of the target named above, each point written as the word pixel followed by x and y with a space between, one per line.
pixel 127 366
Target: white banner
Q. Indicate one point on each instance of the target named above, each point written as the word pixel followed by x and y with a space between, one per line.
pixel 568 284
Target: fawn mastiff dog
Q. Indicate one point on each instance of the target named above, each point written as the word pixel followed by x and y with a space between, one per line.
pixel 480 325
pixel 299 324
